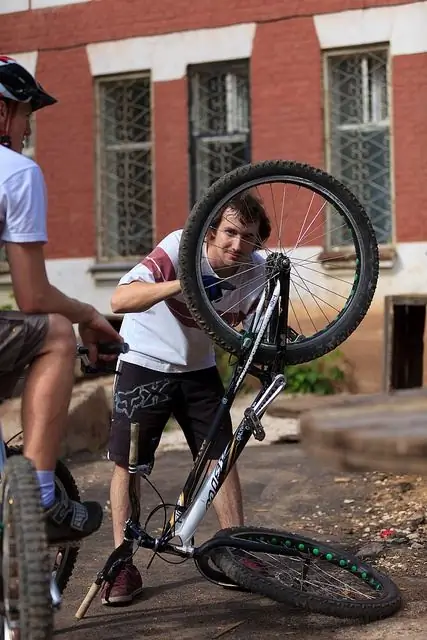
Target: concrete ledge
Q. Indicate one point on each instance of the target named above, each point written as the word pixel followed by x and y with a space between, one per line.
pixel 288 406
pixel 88 418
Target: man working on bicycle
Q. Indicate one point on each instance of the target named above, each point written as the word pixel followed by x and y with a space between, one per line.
pixel 41 334
pixel 170 368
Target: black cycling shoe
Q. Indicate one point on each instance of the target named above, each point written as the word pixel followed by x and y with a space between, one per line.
pixel 69 521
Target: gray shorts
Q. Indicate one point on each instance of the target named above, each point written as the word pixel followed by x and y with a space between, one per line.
pixel 21 338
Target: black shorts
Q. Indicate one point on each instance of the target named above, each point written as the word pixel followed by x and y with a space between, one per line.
pixel 21 338
pixel 152 397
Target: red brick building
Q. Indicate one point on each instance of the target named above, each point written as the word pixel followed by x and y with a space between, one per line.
pixel 158 99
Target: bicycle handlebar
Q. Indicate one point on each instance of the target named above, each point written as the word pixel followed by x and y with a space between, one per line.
pixel 105 349
pixel 112 348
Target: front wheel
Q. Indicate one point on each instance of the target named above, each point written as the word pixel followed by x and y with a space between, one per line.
pixel 309 574
pixel 64 555
pixel 298 215
pixel 27 605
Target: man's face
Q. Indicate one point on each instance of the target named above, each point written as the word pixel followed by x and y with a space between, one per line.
pixel 232 242
pixel 19 124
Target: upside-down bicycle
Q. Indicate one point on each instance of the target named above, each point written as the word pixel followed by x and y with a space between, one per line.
pixel 302 276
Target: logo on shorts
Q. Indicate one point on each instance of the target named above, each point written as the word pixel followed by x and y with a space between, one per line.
pixel 141 397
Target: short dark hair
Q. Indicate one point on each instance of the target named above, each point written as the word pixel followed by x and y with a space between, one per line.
pixel 249 209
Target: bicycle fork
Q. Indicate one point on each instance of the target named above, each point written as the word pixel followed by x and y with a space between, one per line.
pixel 187 524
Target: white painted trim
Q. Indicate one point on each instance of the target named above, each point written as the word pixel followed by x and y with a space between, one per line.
pixel 13 6
pixel 403 26
pixel 168 55
pixel 74 277
pixel 28 60
pixel 41 4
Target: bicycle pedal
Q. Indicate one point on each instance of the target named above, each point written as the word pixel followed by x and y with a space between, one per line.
pixel 254 424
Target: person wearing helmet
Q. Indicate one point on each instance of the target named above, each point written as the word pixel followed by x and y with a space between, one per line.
pixel 40 336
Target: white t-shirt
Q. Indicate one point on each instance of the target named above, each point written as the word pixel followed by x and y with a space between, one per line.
pixel 165 337
pixel 22 199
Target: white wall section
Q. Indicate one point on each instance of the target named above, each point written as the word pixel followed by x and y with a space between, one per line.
pixel 403 26
pixel 168 55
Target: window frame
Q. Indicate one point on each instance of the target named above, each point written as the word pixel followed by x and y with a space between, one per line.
pixel 387 250
pixel 246 138
pixel 121 263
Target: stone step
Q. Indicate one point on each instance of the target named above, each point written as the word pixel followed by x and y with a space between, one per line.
pixel 88 420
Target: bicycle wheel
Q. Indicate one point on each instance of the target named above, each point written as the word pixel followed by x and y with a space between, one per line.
pixel 65 555
pixel 28 611
pixel 312 575
pixel 319 225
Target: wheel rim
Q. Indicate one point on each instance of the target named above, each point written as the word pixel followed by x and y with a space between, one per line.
pixel 310 279
pixel 310 568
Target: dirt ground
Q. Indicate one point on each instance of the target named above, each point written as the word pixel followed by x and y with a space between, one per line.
pixel 284 489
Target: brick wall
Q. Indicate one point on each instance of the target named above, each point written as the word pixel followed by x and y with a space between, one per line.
pixel 410 139
pixel 287 103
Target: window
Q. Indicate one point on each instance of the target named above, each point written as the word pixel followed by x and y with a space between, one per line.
pixel 124 168
pixel 359 134
pixel 219 122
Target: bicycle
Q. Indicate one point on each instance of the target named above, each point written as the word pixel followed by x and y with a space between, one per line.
pixel 31 586
pixel 263 348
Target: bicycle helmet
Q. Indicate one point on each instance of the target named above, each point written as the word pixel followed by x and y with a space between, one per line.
pixel 18 85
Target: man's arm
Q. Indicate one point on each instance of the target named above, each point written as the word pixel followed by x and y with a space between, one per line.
pixel 139 296
pixel 32 289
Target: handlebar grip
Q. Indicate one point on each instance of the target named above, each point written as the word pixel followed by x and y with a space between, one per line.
pixel 112 348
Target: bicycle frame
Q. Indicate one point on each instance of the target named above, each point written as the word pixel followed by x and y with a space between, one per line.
pixel 193 503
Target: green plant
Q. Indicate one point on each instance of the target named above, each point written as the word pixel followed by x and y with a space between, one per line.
pixel 9 306
pixel 324 376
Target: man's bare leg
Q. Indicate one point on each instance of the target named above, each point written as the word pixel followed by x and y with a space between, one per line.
pixel 47 394
pixel 128 583
pixel 228 502
pixel 45 403
pixel 119 498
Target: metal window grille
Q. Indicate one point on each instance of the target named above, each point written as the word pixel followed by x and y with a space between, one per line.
pixel 219 122
pixel 359 135
pixel 124 167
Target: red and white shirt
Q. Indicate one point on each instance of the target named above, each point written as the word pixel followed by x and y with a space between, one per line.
pixel 165 337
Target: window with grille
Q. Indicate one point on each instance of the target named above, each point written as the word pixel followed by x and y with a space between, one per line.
pixel 219 122
pixel 124 168
pixel 359 135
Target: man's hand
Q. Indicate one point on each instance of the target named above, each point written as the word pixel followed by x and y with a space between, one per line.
pixel 97 329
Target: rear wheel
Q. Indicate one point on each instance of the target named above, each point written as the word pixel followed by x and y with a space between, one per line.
pixel 308 574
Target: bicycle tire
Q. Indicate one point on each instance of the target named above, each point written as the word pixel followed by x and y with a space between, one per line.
pixel 21 495
pixel 252 580
pixel 70 552
pixel 238 180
